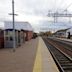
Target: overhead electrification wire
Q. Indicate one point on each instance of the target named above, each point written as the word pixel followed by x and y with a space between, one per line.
pixel 66 7
pixel 59 5
pixel 56 8
pixel 63 4
pixel 53 6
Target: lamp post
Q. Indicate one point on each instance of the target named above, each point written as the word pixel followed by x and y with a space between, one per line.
pixel 13 18
pixel 14 42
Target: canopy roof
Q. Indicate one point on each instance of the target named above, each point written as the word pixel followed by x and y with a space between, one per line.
pixel 18 25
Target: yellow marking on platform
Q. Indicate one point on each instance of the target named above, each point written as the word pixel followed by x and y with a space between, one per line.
pixel 38 62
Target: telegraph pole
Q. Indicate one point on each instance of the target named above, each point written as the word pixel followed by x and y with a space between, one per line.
pixel 13 18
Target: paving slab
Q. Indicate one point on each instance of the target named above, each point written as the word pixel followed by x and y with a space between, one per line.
pixel 20 61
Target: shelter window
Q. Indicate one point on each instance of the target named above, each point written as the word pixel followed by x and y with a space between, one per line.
pixel 11 38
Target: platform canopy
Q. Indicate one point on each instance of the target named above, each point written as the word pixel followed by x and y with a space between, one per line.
pixel 18 25
pixel 1 25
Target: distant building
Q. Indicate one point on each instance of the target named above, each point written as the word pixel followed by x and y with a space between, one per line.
pixel 61 33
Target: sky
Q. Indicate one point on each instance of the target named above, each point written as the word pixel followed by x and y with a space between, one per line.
pixel 35 11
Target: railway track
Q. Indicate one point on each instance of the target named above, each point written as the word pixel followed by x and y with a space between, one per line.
pixel 63 60
pixel 66 43
pixel 66 48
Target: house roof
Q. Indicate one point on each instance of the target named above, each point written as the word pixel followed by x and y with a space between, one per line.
pixel 18 25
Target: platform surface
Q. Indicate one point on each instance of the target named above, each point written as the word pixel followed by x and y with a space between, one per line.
pixel 33 56
pixel 44 61
pixel 65 39
pixel 20 61
pixel 70 40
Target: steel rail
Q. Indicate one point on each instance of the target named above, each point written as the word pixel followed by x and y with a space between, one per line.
pixel 63 61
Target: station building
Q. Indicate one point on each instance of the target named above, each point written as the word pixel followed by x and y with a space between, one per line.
pixel 23 32
pixel 61 33
pixel 8 38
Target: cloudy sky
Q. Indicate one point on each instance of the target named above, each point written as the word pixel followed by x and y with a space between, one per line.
pixel 35 11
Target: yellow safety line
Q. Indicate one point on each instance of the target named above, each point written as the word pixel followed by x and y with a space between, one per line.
pixel 38 63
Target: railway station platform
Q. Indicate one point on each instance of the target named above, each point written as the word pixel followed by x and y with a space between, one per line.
pixel 69 40
pixel 64 39
pixel 33 56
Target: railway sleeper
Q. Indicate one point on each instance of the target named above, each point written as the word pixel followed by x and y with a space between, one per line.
pixel 67 68
pixel 63 60
pixel 66 65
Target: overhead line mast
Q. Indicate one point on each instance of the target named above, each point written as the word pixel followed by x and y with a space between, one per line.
pixel 57 14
